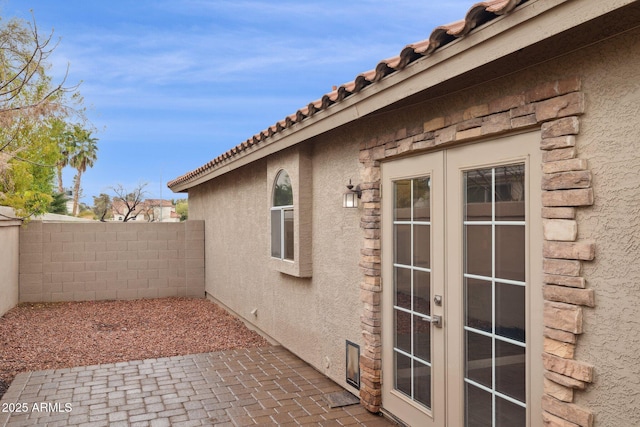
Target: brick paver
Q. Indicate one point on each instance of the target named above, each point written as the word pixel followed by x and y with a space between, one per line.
pixel 262 386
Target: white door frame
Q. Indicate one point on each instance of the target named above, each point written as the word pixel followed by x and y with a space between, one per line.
pixel 446 252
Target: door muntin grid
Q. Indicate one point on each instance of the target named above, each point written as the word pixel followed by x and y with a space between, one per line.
pixel 494 283
pixel 412 289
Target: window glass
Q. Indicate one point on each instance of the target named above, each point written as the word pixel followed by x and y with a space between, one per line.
pixel 282 216
pixel 288 234
pixel 283 192
pixel 276 246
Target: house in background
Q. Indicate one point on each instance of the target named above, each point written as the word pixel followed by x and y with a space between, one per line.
pixel 157 210
pixel 482 268
pixel 150 210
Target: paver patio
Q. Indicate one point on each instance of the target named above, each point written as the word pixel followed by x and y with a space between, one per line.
pixel 259 386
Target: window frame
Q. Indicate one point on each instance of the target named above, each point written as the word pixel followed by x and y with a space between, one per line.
pixel 297 164
pixel 287 245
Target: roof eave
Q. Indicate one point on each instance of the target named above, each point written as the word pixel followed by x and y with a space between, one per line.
pixel 495 39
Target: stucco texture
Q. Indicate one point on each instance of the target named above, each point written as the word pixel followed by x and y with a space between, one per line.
pixel 610 139
pixel 312 316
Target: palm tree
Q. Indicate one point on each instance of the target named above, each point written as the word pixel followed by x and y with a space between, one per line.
pixel 66 145
pixel 84 155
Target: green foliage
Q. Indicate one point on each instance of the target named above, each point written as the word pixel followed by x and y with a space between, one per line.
pixel 84 154
pixel 182 209
pixel 59 204
pixel 33 115
pixel 102 207
pixel 86 212
pixel 27 181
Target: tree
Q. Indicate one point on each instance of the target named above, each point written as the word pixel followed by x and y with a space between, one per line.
pixel 85 153
pixel 182 209
pixel 28 104
pixel 26 180
pixel 25 89
pixel 102 206
pixel 149 211
pixel 59 204
pixel 126 203
pixel 66 147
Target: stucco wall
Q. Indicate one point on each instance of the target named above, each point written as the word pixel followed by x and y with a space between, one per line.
pixel 319 313
pixel 310 316
pixel 100 261
pixel 610 139
pixel 9 243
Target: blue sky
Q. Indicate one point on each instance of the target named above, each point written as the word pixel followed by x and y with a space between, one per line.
pixel 172 84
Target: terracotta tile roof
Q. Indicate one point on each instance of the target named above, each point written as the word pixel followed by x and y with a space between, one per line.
pixel 478 14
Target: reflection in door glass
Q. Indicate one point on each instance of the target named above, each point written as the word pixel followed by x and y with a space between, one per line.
pixel 412 289
pixel 495 296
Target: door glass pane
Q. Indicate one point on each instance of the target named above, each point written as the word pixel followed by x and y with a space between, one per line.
pixel 422 383
pixel 478 250
pixel 422 338
pixel 421 199
pixel 510 252
pixel 510 370
pixel 422 292
pixel 412 288
pixel 403 287
pixel 421 246
pixel 403 331
pixel 479 358
pixel 477 198
pixel 495 249
pixel 480 211
pixel 403 244
pixel 479 407
pixel 509 193
pixel 402 205
pixel 510 414
pixel 479 303
pixel 403 373
pixel 510 311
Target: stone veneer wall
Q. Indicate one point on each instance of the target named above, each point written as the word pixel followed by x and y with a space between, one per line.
pixel 101 261
pixel 553 107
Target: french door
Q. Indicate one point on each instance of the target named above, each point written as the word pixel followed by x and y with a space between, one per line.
pixel 461 259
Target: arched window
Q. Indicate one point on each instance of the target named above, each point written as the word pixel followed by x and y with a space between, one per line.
pixel 282 218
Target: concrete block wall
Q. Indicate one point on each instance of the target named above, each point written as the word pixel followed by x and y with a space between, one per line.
pixel 101 261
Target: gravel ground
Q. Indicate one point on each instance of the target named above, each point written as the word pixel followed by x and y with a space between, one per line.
pixel 61 335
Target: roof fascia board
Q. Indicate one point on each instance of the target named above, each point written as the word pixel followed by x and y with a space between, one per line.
pixel 497 38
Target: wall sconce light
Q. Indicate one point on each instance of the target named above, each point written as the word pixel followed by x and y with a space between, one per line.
pixel 351 196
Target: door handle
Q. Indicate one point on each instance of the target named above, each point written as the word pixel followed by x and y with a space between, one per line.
pixel 436 321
